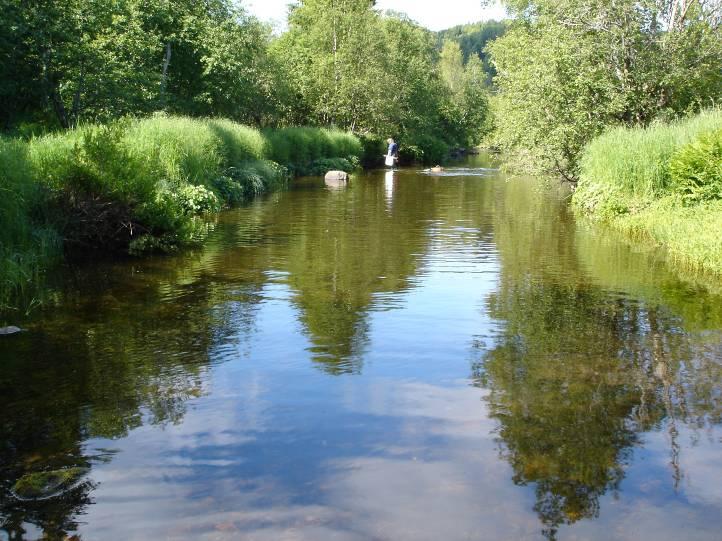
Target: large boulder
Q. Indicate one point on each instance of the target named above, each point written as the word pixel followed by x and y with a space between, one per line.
pixel 336 175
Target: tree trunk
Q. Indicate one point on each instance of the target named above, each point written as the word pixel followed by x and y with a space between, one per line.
pixel 164 75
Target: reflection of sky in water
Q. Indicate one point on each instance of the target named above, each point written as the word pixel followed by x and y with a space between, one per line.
pixel 392 460
pixel 280 450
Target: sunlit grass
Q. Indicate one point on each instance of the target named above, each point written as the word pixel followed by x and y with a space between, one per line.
pixel 662 185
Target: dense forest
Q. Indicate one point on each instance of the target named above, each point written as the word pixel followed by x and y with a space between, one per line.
pixel 340 64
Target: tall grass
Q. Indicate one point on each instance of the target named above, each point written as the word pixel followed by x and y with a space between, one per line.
pixel 632 165
pixel 26 243
pixel 139 184
pixel 662 183
pixel 298 148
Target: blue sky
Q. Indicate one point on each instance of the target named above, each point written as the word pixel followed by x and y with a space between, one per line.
pixel 435 15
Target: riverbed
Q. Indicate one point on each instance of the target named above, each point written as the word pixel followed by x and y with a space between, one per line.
pixel 406 356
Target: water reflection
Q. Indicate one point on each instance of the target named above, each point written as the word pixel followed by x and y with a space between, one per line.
pixel 306 374
pixel 389 187
pixel 578 374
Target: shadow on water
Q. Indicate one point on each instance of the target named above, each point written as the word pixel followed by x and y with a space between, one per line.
pixel 307 371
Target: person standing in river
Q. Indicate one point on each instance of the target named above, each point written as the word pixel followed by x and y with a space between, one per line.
pixel 392 155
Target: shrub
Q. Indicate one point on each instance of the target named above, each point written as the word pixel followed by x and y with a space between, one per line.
pixel 373 149
pixel 298 148
pixel 632 165
pixel 695 170
pixel 424 149
pixel 322 166
pixel 140 184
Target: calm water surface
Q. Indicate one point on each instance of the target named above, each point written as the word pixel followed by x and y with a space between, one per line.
pixel 408 357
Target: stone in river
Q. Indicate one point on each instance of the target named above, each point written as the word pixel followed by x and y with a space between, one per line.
pixel 9 330
pixel 43 485
pixel 336 175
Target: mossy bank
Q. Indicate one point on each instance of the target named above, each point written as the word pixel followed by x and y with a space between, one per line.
pixel 661 184
pixel 139 185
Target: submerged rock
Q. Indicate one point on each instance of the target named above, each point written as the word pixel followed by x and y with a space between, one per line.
pixel 336 175
pixel 43 485
pixel 4 331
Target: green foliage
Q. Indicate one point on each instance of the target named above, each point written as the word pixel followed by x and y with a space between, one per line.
pixel 27 243
pixel 695 170
pixel 473 40
pixel 97 60
pixel 300 147
pixel 320 167
pixel 568 70
pixel 349 66
pixel 663 184
pixel 425 149
pixel 625 169
pixel 374 149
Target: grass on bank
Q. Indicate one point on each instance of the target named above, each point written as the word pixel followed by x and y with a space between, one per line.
pixel 138 185
pixel 662 183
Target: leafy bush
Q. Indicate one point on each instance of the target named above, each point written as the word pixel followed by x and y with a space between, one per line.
pixel 662 184
pixel 373 150
pixel 424 149
pixel 695 170
pixel 140 184
pixel 298 148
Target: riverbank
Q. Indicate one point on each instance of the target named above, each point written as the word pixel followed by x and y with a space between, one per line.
pixel 662 184
pixel 140 185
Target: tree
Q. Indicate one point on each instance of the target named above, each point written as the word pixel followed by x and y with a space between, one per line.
pixel 569 69
pixel 101 59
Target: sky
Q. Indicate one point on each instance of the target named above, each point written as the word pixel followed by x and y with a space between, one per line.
pixel 433 14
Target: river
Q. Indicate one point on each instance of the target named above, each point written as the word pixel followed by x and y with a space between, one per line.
pixel 406 357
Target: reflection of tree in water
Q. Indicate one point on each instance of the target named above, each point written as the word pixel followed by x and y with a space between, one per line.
pixel 348 247
pixel 576 373
pixel 113 358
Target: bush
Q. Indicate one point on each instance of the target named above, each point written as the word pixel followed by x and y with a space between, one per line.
pixel 695 170
pixel 424 149
pixel 373 149
pixel 298 148
pixel 662 184
pixel 324 165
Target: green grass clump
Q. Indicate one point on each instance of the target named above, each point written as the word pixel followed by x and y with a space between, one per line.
pixel 424 149
pixel 631 165
pixel 27 244
pixel 298 148
pixel 662 183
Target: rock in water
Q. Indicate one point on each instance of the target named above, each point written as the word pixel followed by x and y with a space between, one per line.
pixel 336 175
pixel 9 330
pixel 43 485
